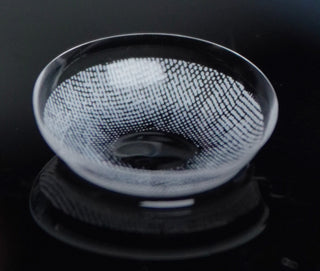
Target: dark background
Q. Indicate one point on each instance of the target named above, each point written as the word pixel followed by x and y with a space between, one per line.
pixel 282 37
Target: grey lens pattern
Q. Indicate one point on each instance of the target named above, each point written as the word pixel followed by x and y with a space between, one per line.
pixel 90 110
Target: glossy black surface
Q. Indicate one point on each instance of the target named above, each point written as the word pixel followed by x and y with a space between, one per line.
pixel 280 37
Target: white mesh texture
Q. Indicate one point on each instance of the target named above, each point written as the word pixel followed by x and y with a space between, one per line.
pixel 89 111
pixel 92 109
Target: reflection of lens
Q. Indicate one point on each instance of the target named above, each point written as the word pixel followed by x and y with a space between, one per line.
pixel 88 99
pixel 98 220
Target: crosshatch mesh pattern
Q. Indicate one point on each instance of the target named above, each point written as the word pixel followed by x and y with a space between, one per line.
pixel 89 111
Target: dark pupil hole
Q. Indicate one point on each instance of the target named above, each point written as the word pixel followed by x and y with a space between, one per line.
pixel 153 150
